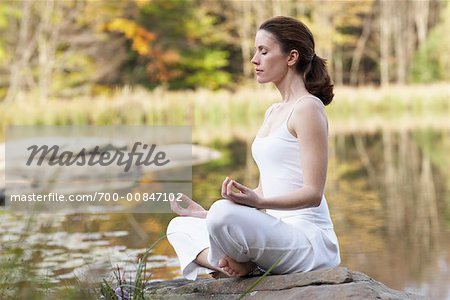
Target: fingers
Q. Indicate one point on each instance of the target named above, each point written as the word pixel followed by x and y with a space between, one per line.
pixel 227 191
pixel 229 187
pixel 239 198
pixel 224 187
pixel 222 190
pixel 186 199
pixel 176 207
pixel 240 187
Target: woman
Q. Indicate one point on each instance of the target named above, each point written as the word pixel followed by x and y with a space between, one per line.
pixel 285 220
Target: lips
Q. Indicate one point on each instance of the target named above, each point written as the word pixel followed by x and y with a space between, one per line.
pixel 258 71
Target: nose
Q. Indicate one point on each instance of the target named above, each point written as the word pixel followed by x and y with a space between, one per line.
pixel 254 59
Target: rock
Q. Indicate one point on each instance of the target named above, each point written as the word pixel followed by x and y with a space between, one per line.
pixel 336 283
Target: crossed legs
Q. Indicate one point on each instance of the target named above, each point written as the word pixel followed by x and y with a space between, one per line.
pixel 233 239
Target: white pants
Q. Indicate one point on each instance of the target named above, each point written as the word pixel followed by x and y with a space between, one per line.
pixel 247 234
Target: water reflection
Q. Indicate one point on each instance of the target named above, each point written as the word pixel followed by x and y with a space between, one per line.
pixel 388 192
pixel 397 185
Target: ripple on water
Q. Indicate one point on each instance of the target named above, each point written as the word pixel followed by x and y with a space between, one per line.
pixel 59 255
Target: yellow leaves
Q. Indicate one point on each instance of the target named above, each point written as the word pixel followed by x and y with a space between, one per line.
pixel 140 37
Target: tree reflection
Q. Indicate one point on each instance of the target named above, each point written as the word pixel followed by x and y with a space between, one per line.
pixel 388 195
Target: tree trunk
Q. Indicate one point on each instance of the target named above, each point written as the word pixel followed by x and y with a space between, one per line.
pixel 385 35
pixel 359 50
pixel 300 8
pixel 276 8
pixel 243 24
pixel 421 13
pixel 22 54
pixel 401 40
pixel 338 69
pixel 48 35
pixel 322 20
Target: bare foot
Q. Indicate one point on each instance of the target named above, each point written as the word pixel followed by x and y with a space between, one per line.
pixel 234 268
pixel 218 275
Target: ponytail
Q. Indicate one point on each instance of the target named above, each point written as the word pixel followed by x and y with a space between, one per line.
pixel 318 81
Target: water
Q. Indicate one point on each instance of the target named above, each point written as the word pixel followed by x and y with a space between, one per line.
pixel 388 193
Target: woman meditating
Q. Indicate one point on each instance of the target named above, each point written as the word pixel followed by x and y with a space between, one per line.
pixel 285 220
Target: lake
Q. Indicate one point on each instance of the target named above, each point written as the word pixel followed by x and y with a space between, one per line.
pixel 388 189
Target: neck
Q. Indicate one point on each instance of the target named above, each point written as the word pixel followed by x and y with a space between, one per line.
pixel 291 87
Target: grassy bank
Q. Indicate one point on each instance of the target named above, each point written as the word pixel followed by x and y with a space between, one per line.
pixel 221 113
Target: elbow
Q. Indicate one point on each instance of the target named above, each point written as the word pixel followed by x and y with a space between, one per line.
pixel 317 199
pixel 315 195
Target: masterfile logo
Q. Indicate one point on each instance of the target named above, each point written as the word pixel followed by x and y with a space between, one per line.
pixel 145 157
pixel 97 168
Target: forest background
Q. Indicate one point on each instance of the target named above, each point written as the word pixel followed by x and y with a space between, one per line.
pixel 66 49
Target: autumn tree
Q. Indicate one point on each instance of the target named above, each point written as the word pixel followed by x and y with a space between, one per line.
pixel 189 48
pixel 58 48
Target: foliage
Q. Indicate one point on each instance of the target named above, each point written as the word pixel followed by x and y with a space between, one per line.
pixel 432 60
pixel 189 51
pixel 140 37
pixel 58 47
pixel 70 48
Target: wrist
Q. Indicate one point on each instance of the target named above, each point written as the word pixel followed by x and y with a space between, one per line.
pixel 262 203
pixel 204 214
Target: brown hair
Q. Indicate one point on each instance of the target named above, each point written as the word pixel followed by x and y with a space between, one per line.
pixel 294 35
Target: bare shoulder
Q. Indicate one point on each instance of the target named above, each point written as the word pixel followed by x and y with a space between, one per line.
pixel 309 104
pixel 309 113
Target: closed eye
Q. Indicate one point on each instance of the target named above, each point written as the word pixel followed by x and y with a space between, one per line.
pixel 261 50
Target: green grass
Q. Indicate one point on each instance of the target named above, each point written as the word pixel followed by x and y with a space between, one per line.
pixel 132 289
pixel 221 113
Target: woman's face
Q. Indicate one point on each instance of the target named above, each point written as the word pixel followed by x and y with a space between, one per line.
pixel 269 60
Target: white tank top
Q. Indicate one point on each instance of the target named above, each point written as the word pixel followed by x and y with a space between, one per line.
pixel 280 167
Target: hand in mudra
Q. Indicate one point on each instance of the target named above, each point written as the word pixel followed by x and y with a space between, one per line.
pixel 244 195
pixel 188 208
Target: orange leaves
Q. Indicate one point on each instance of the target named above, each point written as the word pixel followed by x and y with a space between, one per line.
pixel 161 61
pixel 160 67
pixel 140 37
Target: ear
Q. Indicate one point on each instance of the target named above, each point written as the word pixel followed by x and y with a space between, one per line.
pixel 292 58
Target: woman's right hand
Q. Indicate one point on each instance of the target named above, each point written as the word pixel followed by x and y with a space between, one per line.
pixel 188 208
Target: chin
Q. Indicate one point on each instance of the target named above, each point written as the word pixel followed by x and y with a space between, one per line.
pixel 261 80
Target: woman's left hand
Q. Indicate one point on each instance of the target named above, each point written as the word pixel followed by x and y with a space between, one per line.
pixel 245 195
